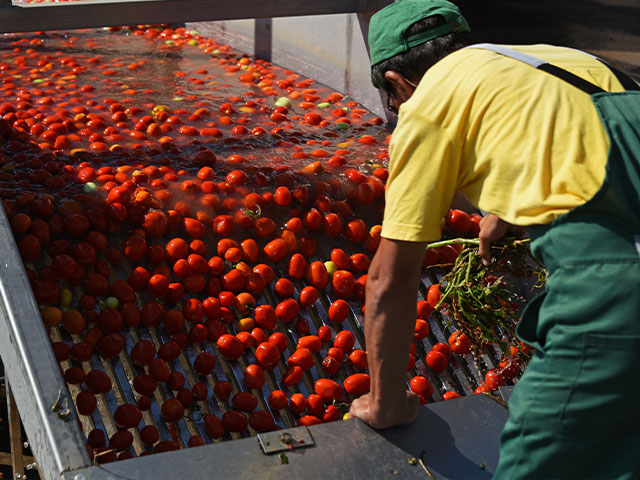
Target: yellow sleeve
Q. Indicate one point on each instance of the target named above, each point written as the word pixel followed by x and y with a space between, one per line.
pixel 423 174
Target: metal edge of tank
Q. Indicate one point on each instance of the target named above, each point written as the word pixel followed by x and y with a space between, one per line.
pixel 454 439
pixel 32 370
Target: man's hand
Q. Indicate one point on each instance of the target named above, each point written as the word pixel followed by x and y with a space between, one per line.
pixel 492 228
pixel 403 410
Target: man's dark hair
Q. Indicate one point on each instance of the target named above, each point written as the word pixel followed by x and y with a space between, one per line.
pixel 413 63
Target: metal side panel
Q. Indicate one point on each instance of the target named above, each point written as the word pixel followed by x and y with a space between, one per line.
pixel 68 15
pixel 331 49
pixel 456 439
pixel 32 370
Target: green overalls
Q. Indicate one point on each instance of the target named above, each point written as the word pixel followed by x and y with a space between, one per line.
pixel 576 411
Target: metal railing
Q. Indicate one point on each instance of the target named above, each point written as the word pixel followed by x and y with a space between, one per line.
pixel 25 17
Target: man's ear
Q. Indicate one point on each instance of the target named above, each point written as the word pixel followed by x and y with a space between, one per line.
pixel 403 89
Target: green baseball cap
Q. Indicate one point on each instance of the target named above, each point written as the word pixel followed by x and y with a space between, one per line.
pixel 388 26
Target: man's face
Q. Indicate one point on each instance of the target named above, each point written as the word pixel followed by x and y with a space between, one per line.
pixel 401 91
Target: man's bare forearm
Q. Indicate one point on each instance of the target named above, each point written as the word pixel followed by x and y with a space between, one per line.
pixel 390 316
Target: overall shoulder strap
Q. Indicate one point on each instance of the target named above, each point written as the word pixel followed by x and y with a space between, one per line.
pixel 625 80
pixel 565 75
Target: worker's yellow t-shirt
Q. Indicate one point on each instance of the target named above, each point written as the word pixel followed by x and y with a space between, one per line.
pixel 518 142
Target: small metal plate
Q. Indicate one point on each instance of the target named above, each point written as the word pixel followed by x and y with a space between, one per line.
pixel 283 440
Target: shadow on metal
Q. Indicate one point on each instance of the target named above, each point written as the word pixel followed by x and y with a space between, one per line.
pixel 457 438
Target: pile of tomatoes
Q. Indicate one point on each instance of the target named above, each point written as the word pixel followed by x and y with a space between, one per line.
pixel 216 247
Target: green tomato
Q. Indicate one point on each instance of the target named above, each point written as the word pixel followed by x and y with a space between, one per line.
pixel 90 187
pixel 331 267
pixel 193 43
pixel 112 302
pixel 323 105
pixel 342 126
pixel 283 102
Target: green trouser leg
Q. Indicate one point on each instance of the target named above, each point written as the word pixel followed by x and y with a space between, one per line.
pixel 576 411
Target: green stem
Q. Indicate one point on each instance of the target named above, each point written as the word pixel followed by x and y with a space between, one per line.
pixel 454 241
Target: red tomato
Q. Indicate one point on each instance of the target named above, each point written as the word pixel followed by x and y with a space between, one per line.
pixel 287 310
pixel 421 329
pixel 312 342
pixel 142 352
pixel 358 359
pixel 222 390
pixel 433 295
pixel 230 347
pixel 297 403
pixel 277 400
pixel 279 340
pixel 276 250
pixel 127 416
pixel 450 395
pixel 297 266
pixel 302 357
pixel 328 389
pixel 338 311
pixel 345 340
pixel 268 355
pixel 458 222
pixel 265 317
pixel 437 361
pixel 172 410
pixel 158 368
pixel 247 402
pixel 204 363
pixel 149 435
pixel 292 376
pixel 460 343
pixel 442 348
pixel 254 376
pixel 421 386
pixel 493 379
pixel 357 384
pixel 317 275
pixel 284 288
pixel 97 382
pixel 262 421
pixel 308 296
pixel 343 283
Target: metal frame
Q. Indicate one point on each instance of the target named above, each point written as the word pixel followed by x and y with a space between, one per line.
pixel 33 371
pixel 86 14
